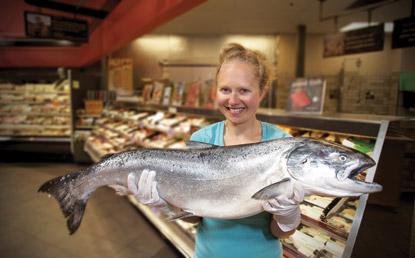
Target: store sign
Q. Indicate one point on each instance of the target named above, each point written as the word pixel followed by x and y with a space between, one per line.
pixel 352 42
pixel 120 76
pixel 306 96
pixel 55 27
pixel 403 33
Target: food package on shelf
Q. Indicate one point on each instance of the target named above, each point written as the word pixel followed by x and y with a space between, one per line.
pixel 158 141
pixel 314 243
pixel 140 135
pixel 178 145
pixel 151 121
pixel 167 124
pixel 6 86
pixel 365 146
pixel 340 223
pixel 138 116
pixel 311 211
pixel 319 201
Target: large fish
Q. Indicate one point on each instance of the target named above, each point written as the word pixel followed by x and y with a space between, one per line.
pixel 222 182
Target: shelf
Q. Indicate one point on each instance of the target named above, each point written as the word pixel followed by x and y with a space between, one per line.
pixel 34 114
pixel 361 125
pixel 171 230
pixel 84 127
pixel 34 139
pixel 18 102
pixel 32 92
pixel 329 230
pixel 41 127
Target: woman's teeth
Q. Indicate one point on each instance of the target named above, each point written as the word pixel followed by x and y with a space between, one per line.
pixel 235 110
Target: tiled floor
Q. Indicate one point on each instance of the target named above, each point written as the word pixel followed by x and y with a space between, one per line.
pixel 32 225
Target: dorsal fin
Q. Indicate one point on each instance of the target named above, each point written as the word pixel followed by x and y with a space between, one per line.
pixel 198 145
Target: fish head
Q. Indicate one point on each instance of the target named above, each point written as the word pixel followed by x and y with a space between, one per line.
pixel 330 169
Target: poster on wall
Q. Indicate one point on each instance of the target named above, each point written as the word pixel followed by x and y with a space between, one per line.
pixel 40 25
pixel 306 96
pixel 356 41
pixel 403 34
pixel 120 76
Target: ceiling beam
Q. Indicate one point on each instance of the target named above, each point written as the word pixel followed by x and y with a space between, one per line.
pixel 69 8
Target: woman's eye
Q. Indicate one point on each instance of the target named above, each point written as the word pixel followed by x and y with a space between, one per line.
pixel 244 91
pixel 224 90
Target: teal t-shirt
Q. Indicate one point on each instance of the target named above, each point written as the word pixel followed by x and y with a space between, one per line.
pixel 239 238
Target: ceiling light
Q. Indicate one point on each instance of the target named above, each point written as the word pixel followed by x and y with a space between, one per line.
pixel 356 25
pixel 360 25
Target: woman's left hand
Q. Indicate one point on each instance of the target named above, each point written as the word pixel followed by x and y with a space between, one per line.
pixel 286 208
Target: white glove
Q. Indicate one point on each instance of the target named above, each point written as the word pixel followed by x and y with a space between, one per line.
pixel 144 188
pixel 286 208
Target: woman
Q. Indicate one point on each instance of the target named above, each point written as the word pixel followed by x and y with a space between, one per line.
pixel 242 79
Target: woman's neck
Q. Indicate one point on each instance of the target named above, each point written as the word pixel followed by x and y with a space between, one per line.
pixel 248 132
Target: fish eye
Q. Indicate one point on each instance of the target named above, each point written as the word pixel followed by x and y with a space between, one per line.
pixel 342 158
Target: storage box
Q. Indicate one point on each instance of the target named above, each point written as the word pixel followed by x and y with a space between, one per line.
pixel 94 107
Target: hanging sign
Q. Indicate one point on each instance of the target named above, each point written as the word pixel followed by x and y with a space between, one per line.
pixel 120 76
pixel 403 34
pixel 306 96
pixel 55 27
pixel 356 41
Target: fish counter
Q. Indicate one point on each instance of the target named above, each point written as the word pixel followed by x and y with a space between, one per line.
pixel 329 225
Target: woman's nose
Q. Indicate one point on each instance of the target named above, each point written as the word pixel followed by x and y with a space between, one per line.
pixel 234 98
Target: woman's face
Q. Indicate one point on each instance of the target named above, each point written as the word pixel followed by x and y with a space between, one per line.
pixel 238 94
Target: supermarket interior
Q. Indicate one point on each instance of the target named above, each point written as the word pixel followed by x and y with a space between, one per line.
pixel 83 82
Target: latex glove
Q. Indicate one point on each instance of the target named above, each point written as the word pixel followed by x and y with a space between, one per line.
pixel 286 208
pixel 144 188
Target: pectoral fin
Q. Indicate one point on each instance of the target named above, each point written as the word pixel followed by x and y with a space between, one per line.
pixel 272 191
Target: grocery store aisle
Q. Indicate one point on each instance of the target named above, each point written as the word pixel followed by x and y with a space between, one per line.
pixel 32 225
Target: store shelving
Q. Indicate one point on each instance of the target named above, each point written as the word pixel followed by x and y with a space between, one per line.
pixel 372 129
pixel 35 111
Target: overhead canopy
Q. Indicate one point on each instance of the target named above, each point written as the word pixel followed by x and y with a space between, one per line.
pixel 129 20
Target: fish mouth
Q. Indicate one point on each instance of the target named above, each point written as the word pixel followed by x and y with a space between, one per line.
pixel 354 173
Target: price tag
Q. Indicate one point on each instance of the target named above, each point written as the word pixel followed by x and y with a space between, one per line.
pixel 173 110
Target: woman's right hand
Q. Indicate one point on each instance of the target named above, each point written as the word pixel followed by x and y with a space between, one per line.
pixel 144 188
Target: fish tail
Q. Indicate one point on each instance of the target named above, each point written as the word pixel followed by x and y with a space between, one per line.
pixel 72 206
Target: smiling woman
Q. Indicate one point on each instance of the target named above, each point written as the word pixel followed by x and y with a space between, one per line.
pixel 242 78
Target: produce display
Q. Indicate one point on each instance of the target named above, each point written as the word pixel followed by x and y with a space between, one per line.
pixel 35 109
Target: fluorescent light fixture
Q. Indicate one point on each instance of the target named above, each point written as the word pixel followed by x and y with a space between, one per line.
pixel 357 25
pixel 361 25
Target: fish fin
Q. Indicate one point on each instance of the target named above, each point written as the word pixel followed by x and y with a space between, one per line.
pixel 72 207
pixel 272 191
pixel 198 145
pixel 180 215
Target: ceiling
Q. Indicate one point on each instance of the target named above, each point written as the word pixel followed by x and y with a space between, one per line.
pixel 279 16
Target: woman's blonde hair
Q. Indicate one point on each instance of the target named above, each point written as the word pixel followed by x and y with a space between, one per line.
pixel 234 51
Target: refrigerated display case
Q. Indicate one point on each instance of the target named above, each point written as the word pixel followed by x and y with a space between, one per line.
pixel 329 225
